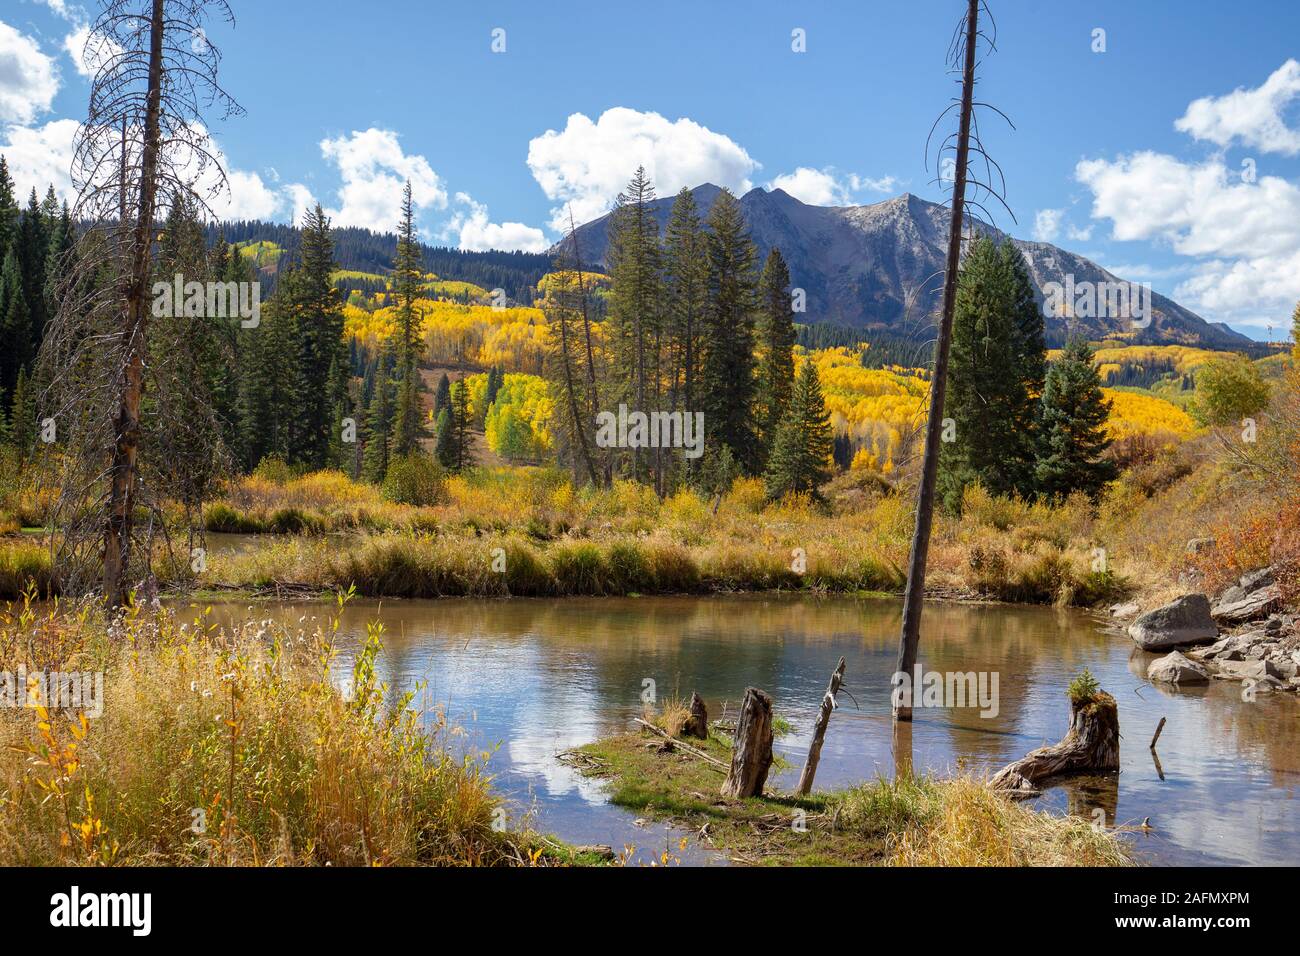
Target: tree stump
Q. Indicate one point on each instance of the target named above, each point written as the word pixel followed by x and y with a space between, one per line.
pixel 1091 744
pixel 819 731
pixel 697 725
pixel 751 754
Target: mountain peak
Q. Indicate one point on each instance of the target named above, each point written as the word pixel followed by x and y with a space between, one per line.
pixel 877 265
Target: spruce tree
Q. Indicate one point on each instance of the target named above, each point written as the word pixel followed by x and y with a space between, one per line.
pixel 442 398
pixel 463 447
pixel 15 325
pixel 379 426
pixel 1075 412
pixel 685 280
pixel 634 305
pixel 33 248
pixel 727 383
pixel 8 209
pixel 801 452
pixel 445 446
pixel 995 376
pixel 776 344
pixel 22 416
pixel 317 311
pixel 408 423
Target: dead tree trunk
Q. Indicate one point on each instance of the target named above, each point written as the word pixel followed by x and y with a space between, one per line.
pixel 823 718
pixel 697 725
pixel 126 422
pixel 1091 744
pixel 751 754
pixel 910 636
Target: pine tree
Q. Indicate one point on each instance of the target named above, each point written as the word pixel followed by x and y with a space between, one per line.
pixel 22 416
pixel 445 447
pixel 33 248
pixel 995 376
pixel 776 342
pixel 801 452
pixel 8 210
pixel 379 426
pixel 15 325
pixel 685 281
pixel 1075 411
pixel 463 447
pixel 317 311
pixel 727 382
pixel 442 398
pixel 408 424
pixel 634 305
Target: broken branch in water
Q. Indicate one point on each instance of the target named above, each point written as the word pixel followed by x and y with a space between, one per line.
pixel 1159 727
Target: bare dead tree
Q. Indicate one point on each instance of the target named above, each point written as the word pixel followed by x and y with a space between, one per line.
pixel 962 56
pixel 142 149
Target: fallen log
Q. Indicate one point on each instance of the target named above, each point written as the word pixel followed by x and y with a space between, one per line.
pixel 1091 744
pixel 751 754
pixel 677 743
pixel 819 731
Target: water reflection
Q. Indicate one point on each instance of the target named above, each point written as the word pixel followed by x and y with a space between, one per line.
pixel 533 678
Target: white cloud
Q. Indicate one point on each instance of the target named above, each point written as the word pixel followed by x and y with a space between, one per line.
pixel 471 230
pixel 39 156
pixel 88 61
pixel 885 184
pixel 374 168
pixel 588 163
pixel 1252 117
pixel 63 9
pixel 28 78
pixel 825 187
pixel 1076 234
pixel 298 198
pixel 1246 235
pixel 1047 224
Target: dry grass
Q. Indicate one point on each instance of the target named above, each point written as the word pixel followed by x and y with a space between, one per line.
pixel 230 746
pixel 961 822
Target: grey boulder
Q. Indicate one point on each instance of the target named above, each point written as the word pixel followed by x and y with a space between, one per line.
pixel 1174 668
pixel 1184 621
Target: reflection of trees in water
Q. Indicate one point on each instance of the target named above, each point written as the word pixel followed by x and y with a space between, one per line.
pixel 1086 793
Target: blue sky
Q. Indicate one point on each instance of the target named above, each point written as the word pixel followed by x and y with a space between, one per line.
pixel 500 143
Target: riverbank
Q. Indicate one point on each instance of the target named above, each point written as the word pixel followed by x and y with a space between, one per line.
pixel 229 745
pixel 908 821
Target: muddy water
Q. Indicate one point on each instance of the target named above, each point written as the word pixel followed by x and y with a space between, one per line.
pixel 532 678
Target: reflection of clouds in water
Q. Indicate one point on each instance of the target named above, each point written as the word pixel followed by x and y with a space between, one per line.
pixel 538 677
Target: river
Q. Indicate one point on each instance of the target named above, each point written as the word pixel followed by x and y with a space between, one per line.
pixel 530 678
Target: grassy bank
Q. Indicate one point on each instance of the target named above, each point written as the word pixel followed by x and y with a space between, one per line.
pixel 913 821
pixel 229 746
pixel 528 531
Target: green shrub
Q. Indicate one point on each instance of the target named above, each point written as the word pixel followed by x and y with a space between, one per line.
pixel 629 571
pixel 579 569
pixel 414 479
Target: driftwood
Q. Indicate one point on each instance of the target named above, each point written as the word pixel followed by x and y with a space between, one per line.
pixel 751 754
pixel 677 743
pixel 698 724
pixel 823 718
pixel 1091 744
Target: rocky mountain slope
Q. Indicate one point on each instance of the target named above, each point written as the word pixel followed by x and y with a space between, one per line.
pixel 880 266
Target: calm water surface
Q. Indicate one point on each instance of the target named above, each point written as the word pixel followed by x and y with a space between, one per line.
pixel 531 678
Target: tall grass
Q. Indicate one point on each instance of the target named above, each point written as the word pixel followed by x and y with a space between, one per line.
pixel 961 822
pixel 229 746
